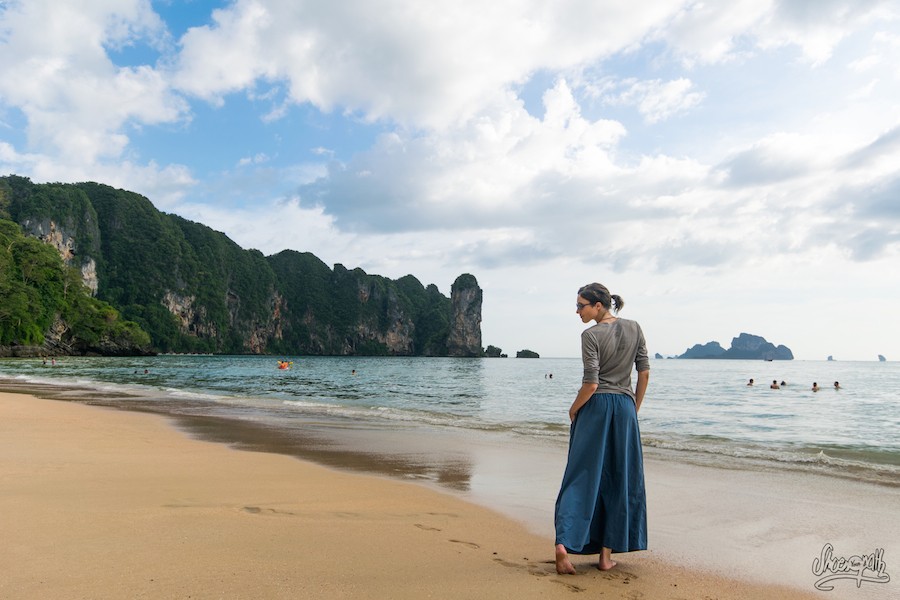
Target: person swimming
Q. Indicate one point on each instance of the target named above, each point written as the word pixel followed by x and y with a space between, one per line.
pixel 815 387
pixel 837 385
pixel 749 383
pixel 774 385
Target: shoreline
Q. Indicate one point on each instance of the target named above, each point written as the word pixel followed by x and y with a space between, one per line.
pixel 787 430
pixel 110 503
pixel 236 425
pixel 732 518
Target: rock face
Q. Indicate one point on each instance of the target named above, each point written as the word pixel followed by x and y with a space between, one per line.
pixel 60 342
pixel 61 237
pixel 493 352
pixel 527 354
pixel 708 350
pixel 465 317
pixel 746 346
pixel 194 290
pixel 754 346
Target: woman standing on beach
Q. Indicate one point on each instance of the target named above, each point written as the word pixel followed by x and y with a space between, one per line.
pixel 601 507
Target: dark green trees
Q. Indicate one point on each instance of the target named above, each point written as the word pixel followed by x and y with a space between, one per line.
pixel 45 308
pixel 192 289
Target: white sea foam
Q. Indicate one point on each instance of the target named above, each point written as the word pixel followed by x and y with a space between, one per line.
pixel 700 407
pixel 179 393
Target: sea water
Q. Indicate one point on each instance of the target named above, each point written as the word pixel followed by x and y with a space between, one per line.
pixel 703 410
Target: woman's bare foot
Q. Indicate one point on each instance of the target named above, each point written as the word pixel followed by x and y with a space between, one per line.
pixel 606 562
pixel 563 564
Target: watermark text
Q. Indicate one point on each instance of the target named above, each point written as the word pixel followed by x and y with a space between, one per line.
pixel 868 568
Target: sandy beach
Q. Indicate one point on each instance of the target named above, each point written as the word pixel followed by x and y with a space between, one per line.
pixel 104 503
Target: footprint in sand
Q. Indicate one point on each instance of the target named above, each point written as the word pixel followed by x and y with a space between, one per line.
pixel 255 510
pixel 507 563
pixel 624 576
pixel 532 568
pixel 571 586
pixel 426 528
pixel 469 544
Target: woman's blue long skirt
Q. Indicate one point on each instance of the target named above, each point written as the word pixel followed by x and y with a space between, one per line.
pixel 601 501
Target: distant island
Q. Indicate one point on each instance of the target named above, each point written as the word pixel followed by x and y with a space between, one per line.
pixel 495 352
pixel 881 358
pixel 745 346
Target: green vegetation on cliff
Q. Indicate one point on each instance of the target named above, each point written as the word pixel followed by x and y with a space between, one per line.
pixel 45 308
pixel 194 290
pixel 352 312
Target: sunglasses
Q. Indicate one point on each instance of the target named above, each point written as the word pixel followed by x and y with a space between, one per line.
pixel 579 306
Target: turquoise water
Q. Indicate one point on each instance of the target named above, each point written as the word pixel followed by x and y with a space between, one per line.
pixel 700 409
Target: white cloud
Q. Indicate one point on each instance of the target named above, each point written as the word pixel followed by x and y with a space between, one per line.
pixel 778 157
pixel 646 166
pixel 405 62
pixel 270 227
pixel 658 100
pixel 817 29
pixel 55 69
pixel 711 32
pixel 166 185
pixel 493 168
pixel 256 159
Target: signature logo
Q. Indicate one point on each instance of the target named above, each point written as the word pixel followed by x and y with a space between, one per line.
pixel 868 567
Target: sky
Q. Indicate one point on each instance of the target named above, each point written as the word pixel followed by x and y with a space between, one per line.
pixel 724 167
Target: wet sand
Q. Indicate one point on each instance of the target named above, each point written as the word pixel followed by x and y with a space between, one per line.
pixel 101 503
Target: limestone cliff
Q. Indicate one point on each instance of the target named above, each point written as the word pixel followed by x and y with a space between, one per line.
pixel 63 239
pixel 754 347
pixel 261 334
pixel 745 346
pixel 194 290
pixel 465 319
pixel 707 350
